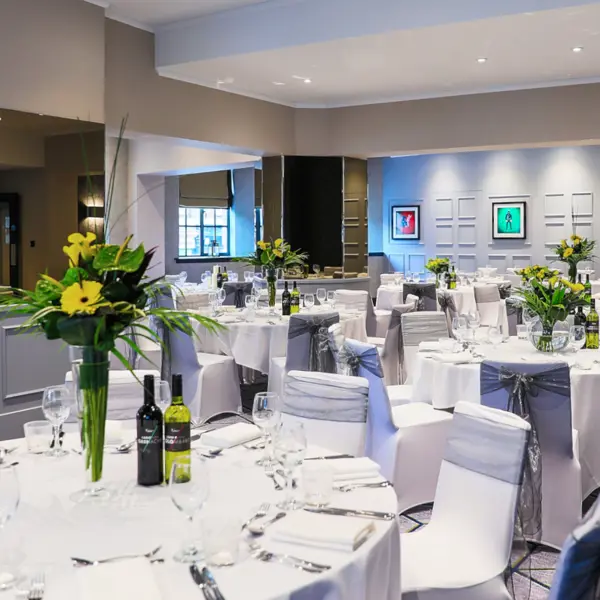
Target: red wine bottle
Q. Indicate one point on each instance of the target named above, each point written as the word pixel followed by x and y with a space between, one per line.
pixel 150 438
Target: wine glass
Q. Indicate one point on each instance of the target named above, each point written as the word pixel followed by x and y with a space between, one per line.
pixel 290 449
pixel 266 416
pixel 321 296
pixel 221 294
pixel 189 489
pixel 473 320
pixel 309 301
pixel 577 338
pixel 459 327
pixel 316 269
pixel 162 395
pixel 213 302
pixel 495 336
pixel 56 406
pixel 250 301
pixel 331 299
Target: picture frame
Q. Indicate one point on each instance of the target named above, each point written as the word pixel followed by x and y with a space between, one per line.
pixel 509 220
pixel 406 222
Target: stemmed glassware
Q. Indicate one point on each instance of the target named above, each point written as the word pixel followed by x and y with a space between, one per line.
pixel 56 406
pixel 266 415
pixel 309 301
pixel 162 396
pixel 473 324
pixel 495 336
pixel 316 269
pixel 221 294
pixel 459 327
pixel 213 302
pixel 321 296
pixel 290 449
pixel 331 299
pixel 577 337
pixel 189 489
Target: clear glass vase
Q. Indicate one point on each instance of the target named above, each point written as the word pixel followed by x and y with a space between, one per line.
pixel 90 369
pixel 573 272
pixel 272 288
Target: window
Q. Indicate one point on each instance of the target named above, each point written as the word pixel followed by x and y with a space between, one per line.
pixel 199 228
pixel 258 224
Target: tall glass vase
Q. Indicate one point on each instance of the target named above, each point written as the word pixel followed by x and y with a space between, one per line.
pixel 90 377
pixel 573 272
pixel 272 288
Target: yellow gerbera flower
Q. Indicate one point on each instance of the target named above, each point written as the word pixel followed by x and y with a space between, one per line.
pixel 81 298
pixel 568 252
pixel 81 245
pixel 278 242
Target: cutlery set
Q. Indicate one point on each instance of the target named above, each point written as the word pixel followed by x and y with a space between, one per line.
pixel 286 559
pixel 348 512
pixel 206 582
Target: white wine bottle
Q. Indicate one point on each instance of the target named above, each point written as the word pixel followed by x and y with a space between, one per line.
pixel 591 328
pixel 177 428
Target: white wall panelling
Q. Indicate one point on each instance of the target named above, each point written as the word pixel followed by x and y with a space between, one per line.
pixel 444 209
pixel 416 263
pixel 444 234
pixel 521 260
pixel 583 205
pixel 467 208
pixel 498 261
pixel 467 262
pixel 467 236
pixel 397 262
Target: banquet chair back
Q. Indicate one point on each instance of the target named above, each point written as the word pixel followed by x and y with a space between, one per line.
pixel 332 409
pixel 541 393
pixel 308 343
pixel 487 298
pixel 388 278
pixel 419 327
pixel 448 305
pixel 236 292
pixel 479 482
pixel 390 355
pixel 190 301
pixel 425 292
pixel 358 300
pixel 577 574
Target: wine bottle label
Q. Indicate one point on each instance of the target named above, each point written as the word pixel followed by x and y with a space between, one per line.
pixel 149 436
pixel 592 328
pixel 177 437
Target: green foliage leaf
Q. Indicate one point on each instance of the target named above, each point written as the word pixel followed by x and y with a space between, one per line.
pixel 264 257
pixel 129 261
pixel 78 331
pixel 74 275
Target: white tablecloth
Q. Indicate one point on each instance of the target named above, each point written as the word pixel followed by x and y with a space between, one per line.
pixel 254 344
pixel 51 529
pixel 443 385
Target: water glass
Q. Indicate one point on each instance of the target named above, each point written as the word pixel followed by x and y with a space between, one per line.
pixel 189 489
pixel 522 332
pixel 577 337
pixel 317 483
pixel 56 406
pixel 495 336
pixel 290 449
pixel 248 276
pixel 321 296
pixel 233 277
pixel 221 538
pixel 38 435
pixel 266 414
pixel 309 301
pixel 331 299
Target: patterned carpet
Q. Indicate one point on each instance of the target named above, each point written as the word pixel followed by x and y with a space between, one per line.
pixel 532 570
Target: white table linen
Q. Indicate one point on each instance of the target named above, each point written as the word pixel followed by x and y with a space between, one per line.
pixel 135 520
pixel 443 384
pixel 254 344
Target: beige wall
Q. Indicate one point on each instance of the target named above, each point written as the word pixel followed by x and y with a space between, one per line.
pixel 52 58
pixel 172 108
pixel 19 149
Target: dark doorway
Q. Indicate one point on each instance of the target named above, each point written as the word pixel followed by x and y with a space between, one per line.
pixel 10 229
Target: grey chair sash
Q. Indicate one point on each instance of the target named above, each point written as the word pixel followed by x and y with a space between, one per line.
pixel 448 305
pixel 521 387
pixel 236 292
pixel 325 401
pixel 320 357
pixel 486 293
pixel 425 292
pixel 368 360
pixel 489 448
pixel 505 290
pixel 514 314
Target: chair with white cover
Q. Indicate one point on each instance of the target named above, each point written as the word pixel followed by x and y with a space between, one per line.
pixel 578 571
pixel 332 408
pixel 125 393
pixel 425 292
pixel 388 278
pixel 463 551
pixel 492 309
pixel 307 349
pixel 210 381
pixel 390 353
pixel 541 393
pixel 417 327
pixel 407 441
pixel 236 292
pixel 360 300
pixel 191 300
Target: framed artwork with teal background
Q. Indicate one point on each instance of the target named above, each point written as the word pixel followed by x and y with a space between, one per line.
pixel 509 220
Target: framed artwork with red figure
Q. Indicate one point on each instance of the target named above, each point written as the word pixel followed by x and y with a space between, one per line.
pixel 406 222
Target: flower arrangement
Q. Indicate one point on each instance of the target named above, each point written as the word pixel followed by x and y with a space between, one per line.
pixel 272 256
pixel 537 272
pixel 438 265
pixel 573 251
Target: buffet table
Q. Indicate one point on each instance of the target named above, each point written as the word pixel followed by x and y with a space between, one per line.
pixel 136 520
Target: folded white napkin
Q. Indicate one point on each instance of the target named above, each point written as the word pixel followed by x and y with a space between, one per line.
pixel 324 531
pixel 350 469
pixel 120 580
pixel 232 435
pixel 455 358
pixel 429 346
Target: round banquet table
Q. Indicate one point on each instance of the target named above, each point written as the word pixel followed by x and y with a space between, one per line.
pixel 254 344
pixel 49 529
pixel 444 384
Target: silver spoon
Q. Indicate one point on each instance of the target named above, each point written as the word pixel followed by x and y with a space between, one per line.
pixel 124 448
pixel 89 563
pixel 353 486
pixel 257 530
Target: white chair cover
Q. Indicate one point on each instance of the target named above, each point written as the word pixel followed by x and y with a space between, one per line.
pixel 125 393
pixel 419 327
pixel 388 278
pixel 550 505
pixel 358 300
pixel 191 301
pixel 406 441
pixel 332 408
pixel 390 355
pixel 464 550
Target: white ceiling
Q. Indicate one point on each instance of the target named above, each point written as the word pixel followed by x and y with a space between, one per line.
pixel 150 13
pixel 523 51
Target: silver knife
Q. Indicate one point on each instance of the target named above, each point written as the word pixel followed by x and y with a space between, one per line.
pixel 331 457
pixel 210 580
pixel 348 512
pixel 200 582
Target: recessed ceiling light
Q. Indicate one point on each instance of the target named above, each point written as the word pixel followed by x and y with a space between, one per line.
pixel 278 83
pixel 578 49
pixel 307 81
pixel 481 60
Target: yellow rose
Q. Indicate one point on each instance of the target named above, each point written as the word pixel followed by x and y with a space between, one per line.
pixel 81 298
pixel 568 252
pixel 81 245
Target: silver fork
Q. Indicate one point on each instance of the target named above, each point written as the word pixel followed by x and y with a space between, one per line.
pixel 37 587
pixel 262 511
